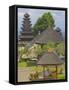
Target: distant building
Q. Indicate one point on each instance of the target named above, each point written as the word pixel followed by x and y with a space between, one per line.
pixel 26 34
pixel 48 35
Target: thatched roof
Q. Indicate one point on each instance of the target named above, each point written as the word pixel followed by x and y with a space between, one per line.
pixel 49 58
pixel 21 44
pixel 48 35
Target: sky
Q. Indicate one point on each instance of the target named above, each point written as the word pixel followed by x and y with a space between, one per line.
pixel 58 15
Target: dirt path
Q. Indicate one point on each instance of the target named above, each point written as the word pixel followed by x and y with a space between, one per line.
pixel 23 74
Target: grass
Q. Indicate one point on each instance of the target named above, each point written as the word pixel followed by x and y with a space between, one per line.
pixel 61 76
pixel 39 69
pixel 22 64
pixel 26 64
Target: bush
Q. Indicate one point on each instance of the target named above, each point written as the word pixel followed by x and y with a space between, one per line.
pixel 34 76
pixel 22 64
pixel 31 63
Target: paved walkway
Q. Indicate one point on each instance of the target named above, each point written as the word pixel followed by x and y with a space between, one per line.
pixel 23 74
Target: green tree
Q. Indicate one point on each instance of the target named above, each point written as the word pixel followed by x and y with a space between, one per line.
pixel 60 49
pixel 50 45
pixel 46 20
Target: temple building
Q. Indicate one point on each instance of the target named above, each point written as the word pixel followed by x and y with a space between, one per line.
pixel 50 59
pixel 48 35
pixel 26 34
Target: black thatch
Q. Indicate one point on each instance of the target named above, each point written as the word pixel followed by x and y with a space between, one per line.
pixel 26 31
pixel 49 58
pixel 21 44
pixel 48 35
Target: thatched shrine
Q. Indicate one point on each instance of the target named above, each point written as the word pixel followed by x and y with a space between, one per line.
pixel 49 59
pixel 48 35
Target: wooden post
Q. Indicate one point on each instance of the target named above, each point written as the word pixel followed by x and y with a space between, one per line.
pixel 56 72
pixel 44 72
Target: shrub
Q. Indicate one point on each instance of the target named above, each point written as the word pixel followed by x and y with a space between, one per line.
pixel 34 76
pixel 31 63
